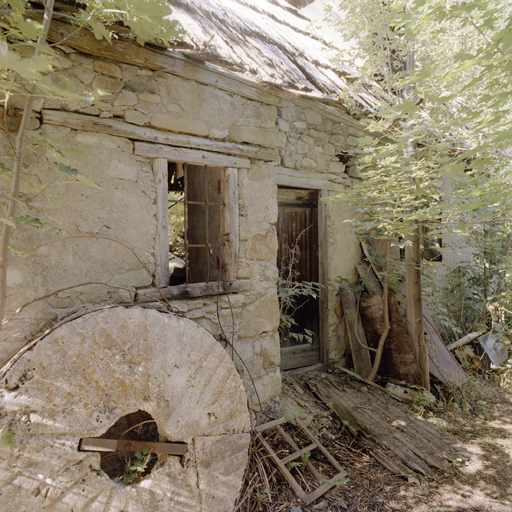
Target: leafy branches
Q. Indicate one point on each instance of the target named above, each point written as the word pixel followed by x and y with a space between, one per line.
pixel 454 107
pixel 135 469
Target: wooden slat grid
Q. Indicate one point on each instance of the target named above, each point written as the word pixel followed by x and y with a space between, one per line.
pixel 298 453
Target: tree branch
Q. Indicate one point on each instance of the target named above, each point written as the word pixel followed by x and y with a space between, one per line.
pixel 17 169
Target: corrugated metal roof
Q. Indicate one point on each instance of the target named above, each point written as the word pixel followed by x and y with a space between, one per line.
pixel 269 41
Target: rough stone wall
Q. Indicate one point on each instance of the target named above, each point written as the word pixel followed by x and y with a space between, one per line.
pixel 122 207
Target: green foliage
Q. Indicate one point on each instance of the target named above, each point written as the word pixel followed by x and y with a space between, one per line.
pixel 135 468
pixel 262 497
pixel 444 163
pixel 176 214
pixel 338 481
pixel 303 462
pixel 341 503
pixel 460 116
pixel 25 63
pixel 6 439
pixel 148 20
pixel 476 296
pixel 290 292
pixel 293 295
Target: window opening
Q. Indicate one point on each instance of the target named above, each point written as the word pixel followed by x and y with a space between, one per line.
pixel 195 208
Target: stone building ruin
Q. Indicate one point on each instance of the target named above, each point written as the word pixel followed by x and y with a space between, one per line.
pixel 244 128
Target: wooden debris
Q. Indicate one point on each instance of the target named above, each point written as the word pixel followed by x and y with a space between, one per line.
pixel 401 441
pixel 369 279
pixel 398 359
pixel 370 383
pixel 355 334
pixel 467 356
pixel 494 349
pixel 464 340
pixel 299 453
pixel 442 363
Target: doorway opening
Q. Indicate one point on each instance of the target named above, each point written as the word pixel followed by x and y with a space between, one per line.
pixel 298 265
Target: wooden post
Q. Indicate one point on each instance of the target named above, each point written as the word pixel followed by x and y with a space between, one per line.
pixel 229 224
pixel 414 304
pixel 162 275
pixel 322 276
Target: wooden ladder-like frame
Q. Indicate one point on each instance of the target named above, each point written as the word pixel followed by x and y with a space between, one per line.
pixel 281 463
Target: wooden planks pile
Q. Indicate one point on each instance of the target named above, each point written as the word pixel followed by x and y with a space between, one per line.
pixel 401 441
pixel 364 320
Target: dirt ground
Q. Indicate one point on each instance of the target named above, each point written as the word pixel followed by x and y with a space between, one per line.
pixel 479 416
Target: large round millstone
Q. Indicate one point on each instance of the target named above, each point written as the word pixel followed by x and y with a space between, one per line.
pixel 89 374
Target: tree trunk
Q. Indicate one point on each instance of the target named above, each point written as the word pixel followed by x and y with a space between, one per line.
pixel 414 305
pixel 414 302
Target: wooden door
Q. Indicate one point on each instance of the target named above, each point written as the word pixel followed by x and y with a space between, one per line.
pixel 297 233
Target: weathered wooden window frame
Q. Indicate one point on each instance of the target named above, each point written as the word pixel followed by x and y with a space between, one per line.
pixel 227 246
pixel 161 156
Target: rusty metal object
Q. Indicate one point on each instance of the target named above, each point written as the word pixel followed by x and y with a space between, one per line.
pixel 94 444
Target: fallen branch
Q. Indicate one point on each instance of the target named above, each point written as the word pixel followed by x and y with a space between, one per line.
pixel 463 341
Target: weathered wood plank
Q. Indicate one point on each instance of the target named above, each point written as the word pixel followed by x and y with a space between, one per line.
pixel 298 454
pixel 190 156
pixel 412 441
pixel 398 359
pixel 166 61
pixel 120 128
pixel 299 356
pixel 188 291
pixel 323 265
pixel 292 178
pixel 381 427
pixel 229 224
pixel 355 408
pixel 270 424
pixel 443 364
pixel 432 445
pixel 162 274
pixel 297 197
pixel 369 279
pixel 356 336
pixel 465 339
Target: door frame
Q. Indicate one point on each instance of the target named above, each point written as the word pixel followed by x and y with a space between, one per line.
pixel 323 306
